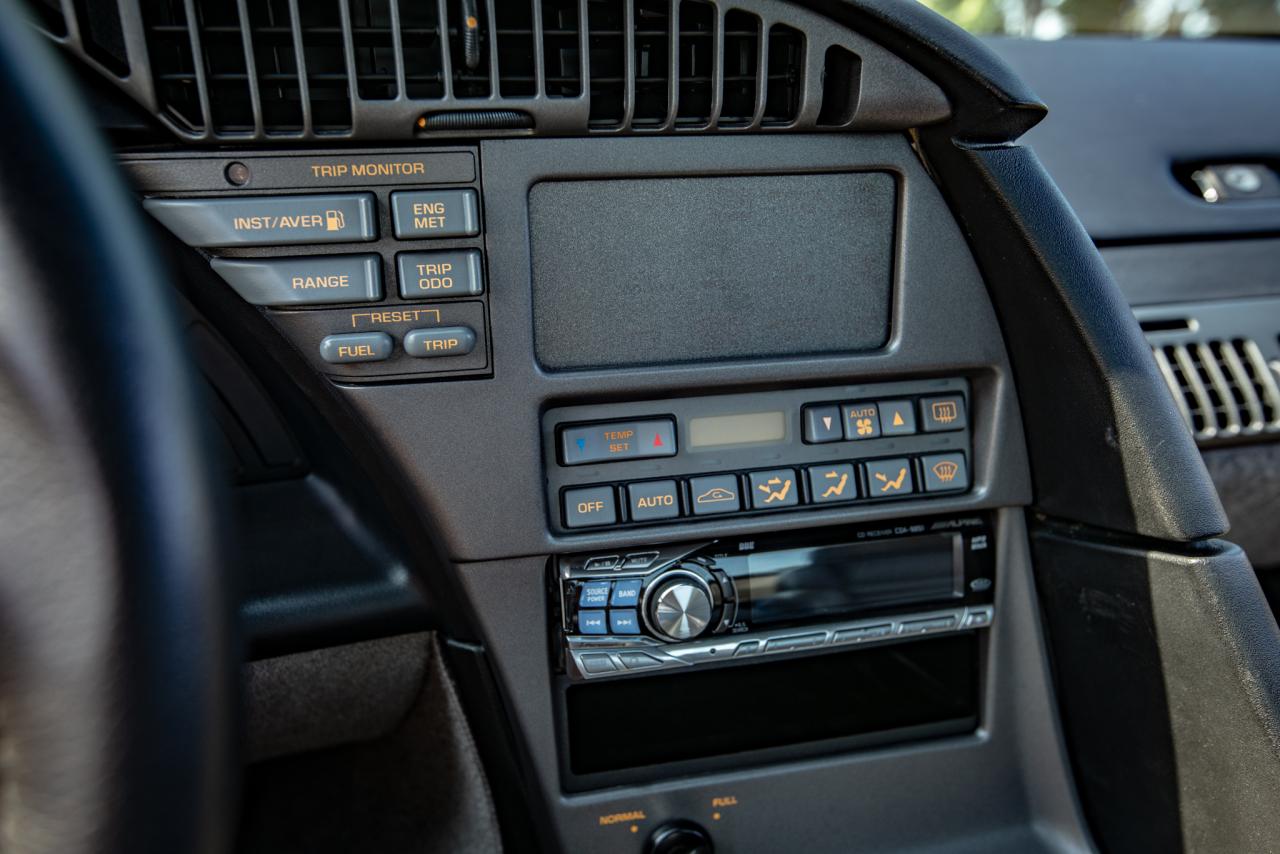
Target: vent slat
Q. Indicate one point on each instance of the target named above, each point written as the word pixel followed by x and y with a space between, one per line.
pixel 1203 407
pixel 741 67
pixel 697 64
pixel 1238 378
pixel 561 55
pixel 251 66
pixel 1226 407
pixel 783 89
pixel 516 57
pixel 197 63
pixel 300 67
pixel 328 57
pixel 272 69
pixel 1263 379
pixel 1171 379
pixel 1224 389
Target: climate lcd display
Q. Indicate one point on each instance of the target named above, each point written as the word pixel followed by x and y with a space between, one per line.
pixel 719 431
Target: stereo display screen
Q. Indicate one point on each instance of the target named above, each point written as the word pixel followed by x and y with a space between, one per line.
pixel 827 581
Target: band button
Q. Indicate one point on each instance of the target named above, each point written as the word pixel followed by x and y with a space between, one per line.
pixel 444 341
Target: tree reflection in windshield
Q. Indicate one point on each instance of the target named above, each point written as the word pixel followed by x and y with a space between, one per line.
pixel 1054 19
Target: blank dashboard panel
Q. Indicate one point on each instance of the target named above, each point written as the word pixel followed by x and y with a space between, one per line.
pixel 669 270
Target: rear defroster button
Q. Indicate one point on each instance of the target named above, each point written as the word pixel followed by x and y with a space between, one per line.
pixel 444 341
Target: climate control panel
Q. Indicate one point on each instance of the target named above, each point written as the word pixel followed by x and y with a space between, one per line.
pixel 704 457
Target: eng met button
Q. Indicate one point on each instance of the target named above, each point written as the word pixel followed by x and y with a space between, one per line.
pixel 269 220
pixel 435 213
pixel 311 281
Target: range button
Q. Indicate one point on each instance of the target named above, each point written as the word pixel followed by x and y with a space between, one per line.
pixel 303 281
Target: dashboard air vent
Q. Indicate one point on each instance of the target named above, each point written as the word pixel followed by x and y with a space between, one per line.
pixel 1224 388
pixel 246 70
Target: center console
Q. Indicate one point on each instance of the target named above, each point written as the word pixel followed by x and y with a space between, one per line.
pixel 733 513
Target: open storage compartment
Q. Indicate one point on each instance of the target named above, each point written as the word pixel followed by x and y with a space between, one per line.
pixel 627 729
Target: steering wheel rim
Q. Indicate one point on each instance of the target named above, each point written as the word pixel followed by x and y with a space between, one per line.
pixel 116 665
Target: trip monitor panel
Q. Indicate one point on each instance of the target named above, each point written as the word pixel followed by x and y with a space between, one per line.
pixel 670 270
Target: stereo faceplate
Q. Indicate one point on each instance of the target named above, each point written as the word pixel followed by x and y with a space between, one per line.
pixel 710 602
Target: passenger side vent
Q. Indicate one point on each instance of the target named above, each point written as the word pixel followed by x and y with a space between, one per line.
pixel 1224 388
pixel 271 70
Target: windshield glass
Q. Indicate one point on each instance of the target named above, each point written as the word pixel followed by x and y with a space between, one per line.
pixel 1055 19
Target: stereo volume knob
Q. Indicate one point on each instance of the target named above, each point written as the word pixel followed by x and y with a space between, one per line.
pixel 680 607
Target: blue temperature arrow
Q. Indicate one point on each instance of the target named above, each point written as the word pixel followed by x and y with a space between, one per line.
pixel 582 444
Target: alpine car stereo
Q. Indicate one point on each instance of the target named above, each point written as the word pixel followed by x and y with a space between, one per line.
pixel 690 604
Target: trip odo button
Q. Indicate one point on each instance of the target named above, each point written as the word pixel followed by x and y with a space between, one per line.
pixel 434 275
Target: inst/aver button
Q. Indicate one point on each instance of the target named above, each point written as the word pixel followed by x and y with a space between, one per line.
pixel 269 220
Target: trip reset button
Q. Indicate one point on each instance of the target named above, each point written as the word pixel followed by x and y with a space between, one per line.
pixel 619 440
pixel 441 341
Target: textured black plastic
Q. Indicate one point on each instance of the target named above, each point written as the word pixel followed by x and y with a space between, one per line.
pixel 691 269
pixel 1168 676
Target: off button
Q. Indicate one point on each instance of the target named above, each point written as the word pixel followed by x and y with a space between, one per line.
pixel 585 508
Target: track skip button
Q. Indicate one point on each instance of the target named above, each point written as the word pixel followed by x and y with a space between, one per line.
pixel 443 341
